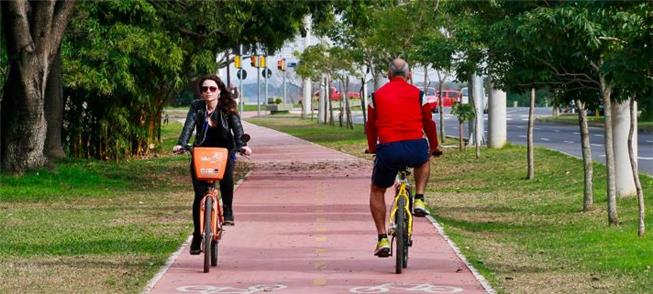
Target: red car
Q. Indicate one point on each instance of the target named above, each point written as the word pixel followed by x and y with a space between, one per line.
pixel 336 95
pixel 448 99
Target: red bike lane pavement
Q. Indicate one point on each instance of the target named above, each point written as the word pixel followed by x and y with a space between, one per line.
pixel 303 225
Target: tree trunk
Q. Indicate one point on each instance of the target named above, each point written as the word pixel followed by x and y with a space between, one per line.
pixel 23 125
pixel 426 78
pixel 33 33
pixel 588 194
pixel 440 106
pixel 531 123
pixel 363 95
pixel 606 93
pixel 350 120
pixel 54 104
pixel 633 163
pixel 341 115
pixel 460 134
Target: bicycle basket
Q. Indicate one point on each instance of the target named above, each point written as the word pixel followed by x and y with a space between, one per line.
pixel 209 163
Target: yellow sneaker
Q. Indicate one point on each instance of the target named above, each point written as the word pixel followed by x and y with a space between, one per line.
pixel 382 248
pixel 419 208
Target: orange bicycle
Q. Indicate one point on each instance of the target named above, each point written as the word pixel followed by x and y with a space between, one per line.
pixel 210 164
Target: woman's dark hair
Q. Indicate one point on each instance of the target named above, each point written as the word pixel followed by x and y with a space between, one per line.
pixel 224 101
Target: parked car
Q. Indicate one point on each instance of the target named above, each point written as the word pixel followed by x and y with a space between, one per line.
pixel 336 95
pixel 464 98
pixel 449 97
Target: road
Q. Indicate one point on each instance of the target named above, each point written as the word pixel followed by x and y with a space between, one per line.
pixel 561 137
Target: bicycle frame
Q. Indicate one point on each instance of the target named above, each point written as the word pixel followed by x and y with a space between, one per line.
pixel 404 185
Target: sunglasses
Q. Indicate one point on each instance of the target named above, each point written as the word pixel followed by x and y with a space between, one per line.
pixel 211 88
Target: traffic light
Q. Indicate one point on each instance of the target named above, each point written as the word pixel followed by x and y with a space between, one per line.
pixel 237 61
pixel 254 60
pixel 281 64
pixel 261 61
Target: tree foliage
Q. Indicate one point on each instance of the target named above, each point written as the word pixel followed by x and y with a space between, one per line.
pixel 124 59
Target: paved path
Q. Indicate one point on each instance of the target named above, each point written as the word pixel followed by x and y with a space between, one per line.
pixel 303 226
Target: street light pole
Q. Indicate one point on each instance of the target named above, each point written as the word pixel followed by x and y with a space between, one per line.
pixel 265 75
pixel 258 89
pixel 283 72
pixel 240 82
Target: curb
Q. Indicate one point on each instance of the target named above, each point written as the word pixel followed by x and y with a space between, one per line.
pixel 150 284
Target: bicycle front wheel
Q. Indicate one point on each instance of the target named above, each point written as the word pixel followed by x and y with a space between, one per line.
pixel 214 253
pixel 208 233
pixel 400 231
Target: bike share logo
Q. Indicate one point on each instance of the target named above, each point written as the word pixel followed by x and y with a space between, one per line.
pixel 214 158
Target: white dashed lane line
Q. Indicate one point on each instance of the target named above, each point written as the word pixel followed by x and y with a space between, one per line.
pixel 569 142
pixel 597 145
pixel 649 141
pixel 645 158
pixel 598 135
pixel 546 139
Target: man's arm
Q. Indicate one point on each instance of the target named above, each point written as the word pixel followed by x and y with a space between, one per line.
pixel 429 126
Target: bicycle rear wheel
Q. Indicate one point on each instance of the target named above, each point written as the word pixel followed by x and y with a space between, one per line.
pixel 208 234
pixel 400 231
pixel 406 242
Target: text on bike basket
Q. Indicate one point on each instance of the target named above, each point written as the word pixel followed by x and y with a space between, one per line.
pixel 209 163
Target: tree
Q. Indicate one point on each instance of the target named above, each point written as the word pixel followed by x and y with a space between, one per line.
pixel 464 112
pixel 33 33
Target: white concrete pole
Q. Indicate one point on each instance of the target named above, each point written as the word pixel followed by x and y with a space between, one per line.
pixel 625 183
pixel 478 97
pixel 308 92
pixel 497 127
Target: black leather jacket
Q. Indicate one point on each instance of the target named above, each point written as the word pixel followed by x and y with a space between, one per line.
pixel 230 127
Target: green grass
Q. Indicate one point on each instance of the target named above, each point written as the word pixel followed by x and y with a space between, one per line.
pixel 106 225
pixel 524 236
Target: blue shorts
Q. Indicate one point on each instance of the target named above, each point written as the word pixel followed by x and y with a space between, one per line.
pixel 392 156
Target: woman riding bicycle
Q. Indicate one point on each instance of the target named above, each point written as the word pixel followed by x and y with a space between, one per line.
pixel 216 124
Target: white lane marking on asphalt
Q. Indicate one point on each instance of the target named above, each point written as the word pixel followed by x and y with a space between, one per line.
pixel 598 135
pixel 569 142
pixel 545 139
pixel 649 141
pixel 522 136
pixel 645 158
pixel 576 133
pixel 597 145
pixel 602 155
pixel 520 127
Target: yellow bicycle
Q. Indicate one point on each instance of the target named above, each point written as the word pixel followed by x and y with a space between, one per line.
pixel 401 220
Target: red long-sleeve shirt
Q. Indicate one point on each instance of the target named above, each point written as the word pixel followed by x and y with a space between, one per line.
pixel 397 113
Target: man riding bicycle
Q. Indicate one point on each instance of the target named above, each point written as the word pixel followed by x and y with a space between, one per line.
pixel 398 119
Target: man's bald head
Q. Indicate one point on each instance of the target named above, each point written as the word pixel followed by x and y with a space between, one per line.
pixel 399 68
